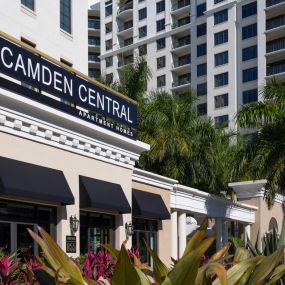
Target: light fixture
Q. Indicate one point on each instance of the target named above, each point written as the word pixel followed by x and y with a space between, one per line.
pixel 74 224
pixel 129 229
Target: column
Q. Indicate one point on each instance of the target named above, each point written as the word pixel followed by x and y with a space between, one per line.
pixel 181 233
pixel 225 232
pixel 219 233
pixel 120 231
pixel 247 232
pixel 174 235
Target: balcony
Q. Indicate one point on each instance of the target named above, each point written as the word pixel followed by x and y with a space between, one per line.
pixel 276 68
pixel 276 22
pixel 181 45
pixel 125 26
pixel 94 24
pixel 276 45
pixel 125 10
pixel 94 73
pixel 126 42
pixel 181 22
pixel 181 82
pixel 93 60
pixel 182 65
pixel 180 4
pixel 125 61
pixel 270 3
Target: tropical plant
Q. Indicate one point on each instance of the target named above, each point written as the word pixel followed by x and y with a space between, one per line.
pixel 264 155
pixel 242 269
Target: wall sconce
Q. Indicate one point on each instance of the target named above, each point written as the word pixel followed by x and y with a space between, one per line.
pixel 74 224
pixel 129 229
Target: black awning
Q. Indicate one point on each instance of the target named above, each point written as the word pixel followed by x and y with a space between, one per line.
pixel 102 195
pixel 27 180
pixel 149 205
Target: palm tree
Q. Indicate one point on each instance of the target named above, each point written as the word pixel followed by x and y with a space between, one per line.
pixel 264 154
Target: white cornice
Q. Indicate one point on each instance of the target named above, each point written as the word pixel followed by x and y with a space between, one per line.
pixel 153 179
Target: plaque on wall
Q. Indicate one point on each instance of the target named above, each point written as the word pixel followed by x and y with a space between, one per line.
pixel 70 244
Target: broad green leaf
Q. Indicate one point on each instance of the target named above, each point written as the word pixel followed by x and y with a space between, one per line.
pixel 186 269
pixel 125 273
pixel 211 270
pixel 220 253
pixel 278 273
pixel 113 251
pixel 159 268
pixel 266 266
pixel 241 254
pixel 143 278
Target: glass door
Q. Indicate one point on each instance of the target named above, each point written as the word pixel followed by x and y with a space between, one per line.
pixel 5 237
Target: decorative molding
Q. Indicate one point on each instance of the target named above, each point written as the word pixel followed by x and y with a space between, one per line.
pixel 14 123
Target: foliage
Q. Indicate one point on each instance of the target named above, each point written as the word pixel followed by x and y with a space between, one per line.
pixel 264 155
pixel 218 269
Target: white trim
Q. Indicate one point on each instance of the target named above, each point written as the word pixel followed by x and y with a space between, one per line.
pixel 150 178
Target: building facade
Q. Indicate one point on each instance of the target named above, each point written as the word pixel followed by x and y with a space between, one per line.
pixel 225 50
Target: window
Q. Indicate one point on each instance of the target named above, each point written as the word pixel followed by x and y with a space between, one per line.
pixel 221 37
pixel 142 31
pixel 65 15
pixel 222 101
pixel 201 49
pixel 249 96
pixel 221 58
pixel 201 69
pixel 184 59
pixel 94 23
pixel 160 6
pixel 109 61
pixel 108 28
pixel 160 62
pixel 29 4
pixel 128 41
pixel 142 50
pixel 221 79
pixel 160 43
pixel 109 78
pixel 108 8
pixel 249 53
pixel 142 13
pixel 249 9
pixel 94 57
pixel 161 81
pixel 249 74
pixel 160 25
pixel 218 1
pixel 222 121
pixel 94 41
pixel 201 9
pixel 184 21
pixel 202 109
pixel 249 31
pixel 94 73
pixel 201 30
pixel 183 41
pixel 202 89
pixel 109 44
pixel 221 16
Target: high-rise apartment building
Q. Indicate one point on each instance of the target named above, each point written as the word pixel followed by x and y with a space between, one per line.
pixel 224 49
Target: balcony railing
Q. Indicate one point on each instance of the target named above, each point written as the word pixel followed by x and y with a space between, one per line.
pixel 180 4
pixel 125 7
pixel 276 68
pixel 181 22
pixel 125 26
pixel 275 45
pixel 94 24
pixel 125 62
pixel 182 42
pixel 94 42
pixel 93 58
pixel 181 62
pixel 275 22
pixel 270 3
pixel 181 82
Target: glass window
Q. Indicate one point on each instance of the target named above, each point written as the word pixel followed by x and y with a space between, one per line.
pixel 142 50
pixel 201 69
pixel 160 6
pixel 222 101
pixel 5 241
pixel 94 73
pixel 249 96
pixel 160 43
pixel 142 13
pixel 160 25
pixel 65 15
pixel 109 44
pixel 161 81
pixel 108 28
pixel 93 57
pixel 275 22
pixel 202 89
pixel 108 8
pixel 201 49
pixel 142 31
pixel 221 16
pixel 184 59
pixel 109 78
pixel 201 30
pixel 222 121
pixel 249 31
pixel 249 9
pixel 94 23
pixel 218 1
pixel 249 53
pixel 109 61
pixel 221 79
pixel 202 109
pixel 94 41
pixel 201 9
pixel 221 37
pixel 29 4
pixel 160 62
pixel 249 74
pixel 221 58
pixel 95 229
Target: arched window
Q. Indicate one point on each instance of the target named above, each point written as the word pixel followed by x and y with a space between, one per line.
pixel 273 225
